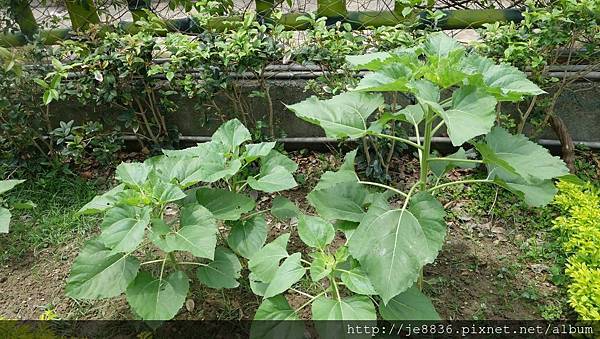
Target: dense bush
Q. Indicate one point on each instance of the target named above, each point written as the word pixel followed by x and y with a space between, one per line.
pixel 554 32
pixel 579 230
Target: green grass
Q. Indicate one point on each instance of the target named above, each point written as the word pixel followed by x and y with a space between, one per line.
pixel 53 221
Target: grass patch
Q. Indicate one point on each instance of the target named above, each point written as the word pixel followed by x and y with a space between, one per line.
pixel 53 221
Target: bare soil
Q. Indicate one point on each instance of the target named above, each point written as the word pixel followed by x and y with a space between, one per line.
pixel 479 274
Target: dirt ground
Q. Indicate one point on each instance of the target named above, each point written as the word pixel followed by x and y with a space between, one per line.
pixel 479 274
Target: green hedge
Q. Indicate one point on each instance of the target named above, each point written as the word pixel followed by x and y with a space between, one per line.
pixel 579 231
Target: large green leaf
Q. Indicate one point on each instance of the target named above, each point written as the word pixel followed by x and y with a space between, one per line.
pixel 210 165
pixel 338 195
pixel 357 281
pixel 275 308
pixel 195 151
pixel 425 91
pixel 196 233
pixel 158 298
pixel 216 167
pixel 342 201
pixel 184 170
pixel 345 174
pixel 505 82
pixel 123 227
pixel 275 159
pixel 342 116
pixel 472 114
pixel 389 78
pixel 279 179
pixel 440 45
pixel 357 307
pixel 255 151
pixel 258 287
pixel 409 305
pixel 289 273
pixel 515 154
pixel 283 208
pixel 534 192
pixel 231 134
pixel 132 174
pixel 349 158
pixel 272 320
pixel 222 272
pixel 444 56
pixel 315 232
pixel 224 204
pixel 4 220
pixel 379 60
pixel 508 83
pixel 331 179
pixel 248 236
pixel 413 114
pixel 165 192
pixel 7 185
pixel 102 202
pixel 97 273
pixel 397 248
pixel 343 314
pixel 370 61
pixel 265 262
pixel 430 214
pixel 521 166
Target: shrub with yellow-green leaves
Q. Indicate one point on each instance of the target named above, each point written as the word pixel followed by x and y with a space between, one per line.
pixel 579 231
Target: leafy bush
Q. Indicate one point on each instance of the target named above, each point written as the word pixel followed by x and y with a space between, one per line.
pixel 553 32
pixel 580 236
pixel 389 242
pixel 137 223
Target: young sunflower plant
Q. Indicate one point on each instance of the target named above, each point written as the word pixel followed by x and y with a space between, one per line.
pixel 162 224
pixel 391 235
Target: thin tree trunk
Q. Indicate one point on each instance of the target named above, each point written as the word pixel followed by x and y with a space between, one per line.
pixel 567 145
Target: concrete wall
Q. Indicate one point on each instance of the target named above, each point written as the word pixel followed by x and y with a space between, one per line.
pixel 579 107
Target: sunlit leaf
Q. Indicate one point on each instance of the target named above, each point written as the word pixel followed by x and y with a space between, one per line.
pixel 343 116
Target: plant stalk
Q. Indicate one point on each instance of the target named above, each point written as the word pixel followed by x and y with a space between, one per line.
pixel 426 151
pixel 406 141
pixel 383 186
pixel 470 181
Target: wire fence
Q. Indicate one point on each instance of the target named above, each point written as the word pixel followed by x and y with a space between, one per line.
pixel 53 13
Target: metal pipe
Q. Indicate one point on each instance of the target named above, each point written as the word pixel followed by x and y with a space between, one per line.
pixel 325 140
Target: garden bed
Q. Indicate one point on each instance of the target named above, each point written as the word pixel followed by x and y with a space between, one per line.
pixel 495 263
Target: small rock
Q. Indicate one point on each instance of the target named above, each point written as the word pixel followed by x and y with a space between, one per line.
pixel 498 230
pixel 189 305
pixel 538 268
pixel 464 217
